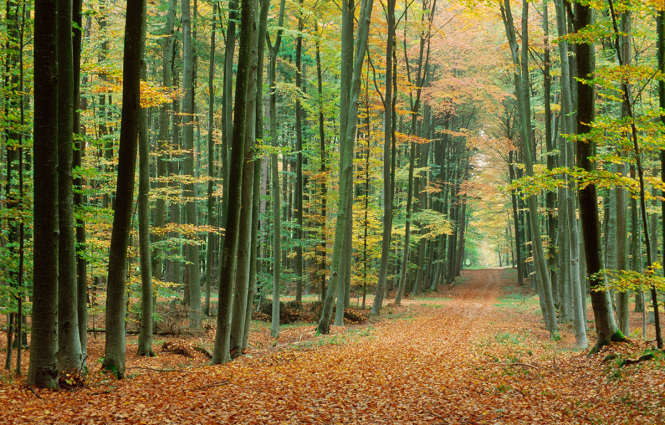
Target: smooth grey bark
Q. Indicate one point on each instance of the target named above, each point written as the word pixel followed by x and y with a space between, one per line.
pixel 69 343
pixel 628 108
pixel 227 110
pixel 259 169
pixel 550 196
pixel 522 93
pixel 422 70
pixel 277 221
pixel 387 139
pixel 422 193
pixel 189 188
pixel 222 336
pixel 43 368
pixel 245 240
pixel 298 207
pixel 346 163
pixel 163 138
pixel 79 198
pixel 210 242
pixel 606 328
pixel 145 333
pixel 115 348
pixel 660 23
pixel 343 275
pixel 622 298
pixel 323 192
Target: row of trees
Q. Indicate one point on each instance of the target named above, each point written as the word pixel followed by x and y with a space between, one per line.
pixel 307 162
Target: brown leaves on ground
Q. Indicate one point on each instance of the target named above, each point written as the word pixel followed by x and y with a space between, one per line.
pixel 479 355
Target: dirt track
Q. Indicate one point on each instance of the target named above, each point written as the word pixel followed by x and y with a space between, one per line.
pixel 437 367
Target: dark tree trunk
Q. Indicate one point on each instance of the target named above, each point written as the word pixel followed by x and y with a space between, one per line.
pixel 69 343
pixel 81 263
pixel 145 335
pixel 606 327
pixel 227 266
pixel 115 349
pixel 43 369
pixel 189 189
pixel 388 132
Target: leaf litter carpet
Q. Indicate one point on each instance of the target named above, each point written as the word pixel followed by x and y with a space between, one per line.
pixel 462 358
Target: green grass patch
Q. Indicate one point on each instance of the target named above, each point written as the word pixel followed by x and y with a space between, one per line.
pixel 351 335
pixel 517 298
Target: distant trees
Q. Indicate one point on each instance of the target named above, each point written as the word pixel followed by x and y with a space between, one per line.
pixel 424 147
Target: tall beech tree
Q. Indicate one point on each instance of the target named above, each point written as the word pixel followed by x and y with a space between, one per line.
pixel 388 132
pixel 189 189
pixel 43 369
pixel 115 348
pixel 347 134
pixel 145 334
pixel 521 78
pixel 273 49
pixel 606 327
pixel 229 251
pixel 69 343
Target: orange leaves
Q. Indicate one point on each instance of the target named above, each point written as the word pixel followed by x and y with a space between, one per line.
pixel 477 355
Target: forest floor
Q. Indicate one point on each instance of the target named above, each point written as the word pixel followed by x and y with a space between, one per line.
pixel 476 353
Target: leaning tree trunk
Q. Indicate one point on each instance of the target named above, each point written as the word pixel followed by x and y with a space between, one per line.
pixel 115 348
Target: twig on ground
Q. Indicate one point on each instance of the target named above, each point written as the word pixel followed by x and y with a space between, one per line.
pixel 102 392
pixel 443 418
pixel 158 370
pixel 214 384
pixel 33 391
pixel 521 364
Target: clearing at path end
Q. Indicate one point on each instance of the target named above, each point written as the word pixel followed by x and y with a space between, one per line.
pixel 477 355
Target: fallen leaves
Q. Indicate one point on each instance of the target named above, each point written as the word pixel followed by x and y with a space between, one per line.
pixel 459 359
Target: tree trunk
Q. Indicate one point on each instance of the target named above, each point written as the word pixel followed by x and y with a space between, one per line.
pixel 277 223
pixel 606 327
pixel 69 342
pixel 79 199
pixel 210 243
pixel 163 140
pixel 115 349
pixel 222 336
pixel 346 161
pixel 145 334
pixel 43 369
pixel 299 161
pixel 189 189
pixel 522 93
pixel 242 277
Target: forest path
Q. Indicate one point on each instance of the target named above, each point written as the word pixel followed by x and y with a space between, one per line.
pixel 415 369
pixel 476 353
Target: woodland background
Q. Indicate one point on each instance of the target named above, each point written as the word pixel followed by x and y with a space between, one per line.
pixel 340 150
